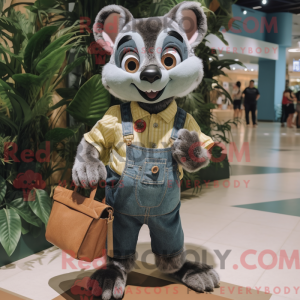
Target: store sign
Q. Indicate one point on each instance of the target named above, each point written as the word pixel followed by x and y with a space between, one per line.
pixel 296 65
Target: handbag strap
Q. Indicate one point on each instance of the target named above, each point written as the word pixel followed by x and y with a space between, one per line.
pixel 93 193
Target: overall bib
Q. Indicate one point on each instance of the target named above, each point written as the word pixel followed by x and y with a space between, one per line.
pixel 147 192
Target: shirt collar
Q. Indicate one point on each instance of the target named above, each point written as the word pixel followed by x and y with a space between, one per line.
pixel 137 112
pixel 167 115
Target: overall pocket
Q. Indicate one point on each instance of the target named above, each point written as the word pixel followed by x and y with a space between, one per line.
pixel 151 187
pixel 113 180
pixel 120 194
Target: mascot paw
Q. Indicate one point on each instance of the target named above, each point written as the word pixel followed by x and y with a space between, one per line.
pixel 111 281
pixel 88 174
pixel 198 277
pixel 187 151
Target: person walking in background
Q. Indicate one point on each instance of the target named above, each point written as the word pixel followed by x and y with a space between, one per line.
pixel 290 110
pixel 284 107
pixel 223 102
pixel 250 95
pixel 237 99
pixel 298 109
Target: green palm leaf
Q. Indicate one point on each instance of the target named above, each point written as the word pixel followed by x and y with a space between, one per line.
pixel 10 230
pixel 23 209
pixel 35 45
pixel 53 62
pixel 42 106
pixel 56 44
pixel 91 102
pixel 40 203
pixel 59 134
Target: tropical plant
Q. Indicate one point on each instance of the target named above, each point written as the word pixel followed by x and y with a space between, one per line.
pixel 32 66
pixel 18 216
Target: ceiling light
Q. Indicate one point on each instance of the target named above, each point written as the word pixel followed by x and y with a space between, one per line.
pixel 256 7
pixel 221 55
pixel 244 11
pixel 252 70
pixel 246 69
pixel 236 59
pixel 294 50
pixel 264 2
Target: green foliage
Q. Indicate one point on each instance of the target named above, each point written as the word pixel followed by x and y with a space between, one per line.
pixel 36 44
pixel 10 230
pixel 91 102
pixel 19 212
pixel 22 208
pixel 40 204
pixel 25 108
pixel 59 134
pixel 2 189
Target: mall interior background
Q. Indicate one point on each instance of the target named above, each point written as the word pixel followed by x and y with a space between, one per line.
pixel 272 26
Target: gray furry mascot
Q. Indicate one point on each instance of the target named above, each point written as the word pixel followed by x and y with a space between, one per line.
pixel 141 147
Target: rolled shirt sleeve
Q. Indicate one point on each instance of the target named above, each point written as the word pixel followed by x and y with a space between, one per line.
pixel 102 134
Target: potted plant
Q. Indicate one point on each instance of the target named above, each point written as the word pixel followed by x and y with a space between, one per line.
pixel 31 70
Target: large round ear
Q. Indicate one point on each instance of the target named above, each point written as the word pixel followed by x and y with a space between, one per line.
pixel 108 23
pixel 191 18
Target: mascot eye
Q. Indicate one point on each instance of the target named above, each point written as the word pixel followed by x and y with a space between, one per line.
pixel 170 58
pixel 130 62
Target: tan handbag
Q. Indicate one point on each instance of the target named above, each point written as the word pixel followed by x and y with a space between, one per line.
pixel 79 225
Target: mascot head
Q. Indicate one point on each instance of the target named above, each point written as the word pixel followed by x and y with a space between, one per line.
pixel 152 59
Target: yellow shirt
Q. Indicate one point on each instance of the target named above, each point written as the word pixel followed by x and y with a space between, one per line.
pixel 107 135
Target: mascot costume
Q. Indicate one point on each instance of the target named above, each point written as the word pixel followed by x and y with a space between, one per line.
pixel 140 147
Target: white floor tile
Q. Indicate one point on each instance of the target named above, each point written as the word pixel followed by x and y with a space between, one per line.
pixel 202 227
pixel 297 228
pixel 292 242
pixel 252 236
pixel 269 219
pixel 193 206
pixel 231 197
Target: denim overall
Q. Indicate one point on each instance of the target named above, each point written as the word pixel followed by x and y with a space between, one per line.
pixel 147 192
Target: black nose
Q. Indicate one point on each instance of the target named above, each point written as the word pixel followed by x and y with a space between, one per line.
pixel 151 73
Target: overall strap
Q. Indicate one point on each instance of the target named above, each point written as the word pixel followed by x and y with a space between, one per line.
pixel 127 127
pixel 178 123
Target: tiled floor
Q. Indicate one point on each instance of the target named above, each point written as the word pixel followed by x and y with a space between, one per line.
pixel 213 225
